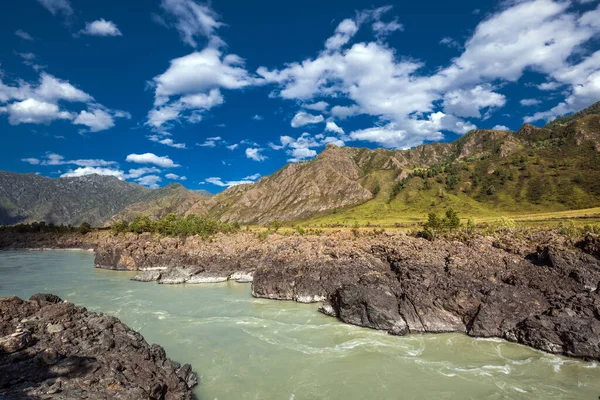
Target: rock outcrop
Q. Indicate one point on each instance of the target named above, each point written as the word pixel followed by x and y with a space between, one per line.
pixel 540 289
pixel 50 349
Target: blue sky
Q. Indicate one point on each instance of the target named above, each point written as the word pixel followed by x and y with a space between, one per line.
pixel 214 94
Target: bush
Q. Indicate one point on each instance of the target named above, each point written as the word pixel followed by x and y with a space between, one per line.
pixel 275 225
pixel 376 190
pixel 451 220
pixel 173 225
pixel 85 227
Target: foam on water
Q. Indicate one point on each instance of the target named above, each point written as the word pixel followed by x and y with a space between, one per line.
pixel 248 348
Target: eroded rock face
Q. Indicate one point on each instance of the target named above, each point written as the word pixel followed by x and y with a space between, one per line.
pixel 540 289
pixel 51 349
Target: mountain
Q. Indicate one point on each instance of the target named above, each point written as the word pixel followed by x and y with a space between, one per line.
pixel 91 198
pixel 485 172
pixel 173 198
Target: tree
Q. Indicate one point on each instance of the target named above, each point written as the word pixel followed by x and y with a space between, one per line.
pixel 451 220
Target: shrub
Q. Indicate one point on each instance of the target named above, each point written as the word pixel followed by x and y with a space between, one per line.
pixel 376 190
pixel 568 228
pixel 173 225
pixel 275 225
pixel 85 227
pixel 451 220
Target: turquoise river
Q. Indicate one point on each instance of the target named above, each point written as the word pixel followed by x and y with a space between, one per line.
pixel 247 348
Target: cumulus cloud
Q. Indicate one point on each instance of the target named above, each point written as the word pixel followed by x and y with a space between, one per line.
pixel 501 128
pixel 413 105
pixel 150 181
pixel 101 27
pixel 32 111
pixel 257 117
pixel 47 101
pixel 150 158
pixel 93 170
pixel 469 103
pixel 303 118
pixel 232 146
pixel 302 147
pixel 333 127
pixel 255 154
pixel 192 85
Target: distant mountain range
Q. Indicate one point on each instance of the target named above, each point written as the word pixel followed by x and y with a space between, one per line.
pixel 485 172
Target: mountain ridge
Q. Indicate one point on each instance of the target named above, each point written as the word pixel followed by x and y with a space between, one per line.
pixel 550 168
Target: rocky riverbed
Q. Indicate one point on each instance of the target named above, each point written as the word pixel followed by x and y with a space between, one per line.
pixel 540 289
pixel 52 349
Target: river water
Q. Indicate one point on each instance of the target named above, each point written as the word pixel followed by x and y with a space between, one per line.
pixel 247 348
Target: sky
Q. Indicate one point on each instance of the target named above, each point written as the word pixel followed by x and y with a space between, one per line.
pixel 212 95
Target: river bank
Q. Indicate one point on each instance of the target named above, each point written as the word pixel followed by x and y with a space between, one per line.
pixel 540 289
pixel 55 349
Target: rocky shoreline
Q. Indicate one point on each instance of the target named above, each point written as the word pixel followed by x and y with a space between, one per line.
pixel 52 349
pixel 539 289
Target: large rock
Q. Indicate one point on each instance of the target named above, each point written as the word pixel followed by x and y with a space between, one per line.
pixel 52 349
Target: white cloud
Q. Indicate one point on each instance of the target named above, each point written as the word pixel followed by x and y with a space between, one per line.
pixel 530 102
pixel 318 106
pixel 303 118
pixel 385 28
pixel 138 172
pixel 219 182
pixel 193 20
pixel 548 86
pixel 536 35
pixel 32 111
pixel 450 42
pixel 193 84
pixel 210 142
pixel 57 159
pixel 167 142
pixel 343 112
pixel 23 35
pixel 233 146
pixel 93 170
pixel 343 33
pixel 27 56
pixel 101 27
pixel 150 181
pixel 469 103
pixel 258 117
pixel 58 7
pixel 96 119
pixel 46 102
pixel 333 127
pixel 150 158
pixel 175 177
pixel 255 154
pixel 501 128
pixel 302 148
